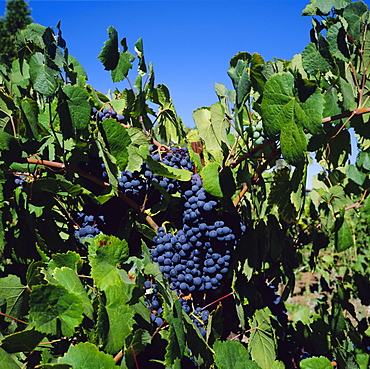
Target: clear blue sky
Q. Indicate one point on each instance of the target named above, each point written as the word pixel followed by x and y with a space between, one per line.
pixel 189 42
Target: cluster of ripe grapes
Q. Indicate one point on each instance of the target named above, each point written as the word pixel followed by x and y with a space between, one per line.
pixel 197 257
pixel 105 114
pixel 89 225
pixel 153 303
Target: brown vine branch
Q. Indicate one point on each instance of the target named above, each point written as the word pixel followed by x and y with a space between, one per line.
pixel 346 115
pixel 11 317
pixel 98 181
pixel 251 153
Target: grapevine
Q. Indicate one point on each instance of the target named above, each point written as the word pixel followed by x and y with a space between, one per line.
pixel 129 239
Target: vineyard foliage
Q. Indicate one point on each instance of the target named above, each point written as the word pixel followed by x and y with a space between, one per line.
pixel 127 239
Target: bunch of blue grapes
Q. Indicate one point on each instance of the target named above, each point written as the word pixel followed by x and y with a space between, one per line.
pixel 177 157
pixel 106 114
pixel 153 303
pixel 198 256
pixel 276 305
pixel 89 225
pixel 200 319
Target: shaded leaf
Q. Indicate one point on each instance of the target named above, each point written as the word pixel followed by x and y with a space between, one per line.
pixel 109 55
pixel 25 341
pixel 120 72
pixel 117 140
pixel 176 342
pixel 344 237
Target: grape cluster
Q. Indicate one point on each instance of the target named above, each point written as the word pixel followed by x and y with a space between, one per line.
pixel 200 319
pixel 105 114
pixel 198 256
pixel 257 133
pixel 153 302
pixel 89 225
pixel 276 306
pixel 175 157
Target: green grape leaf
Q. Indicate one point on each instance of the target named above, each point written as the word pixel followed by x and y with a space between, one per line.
pixel 212 127
pixel 162 169
pixel 349 94
pixel 14 293
pixel 211 180
pixel 120 72
pixel 109 55
pixel 69 279
pixel 74 64
pixel 42 76
pixel 313 62
pixel 70 259
pixel 262 341
pixel 10 144
pixel 232 354
pixel 55 310
pixel 170 126
pixel 176 339
pixel 105 254
pixel 85 355
pixel 200 350
pixel 25 341
pixel 115 313
pixel 117 140
pixel 6 361
pixel 280 195
pixel 363 160
pixel 325 6
pixel 355 175
pixel 141 338
pixel 344 236
pixel 140 53
pixel 59 186
pixel 283 113
pixel 316 363
pixel 239 75
pixel 79 108
pixel 30 112
pixel 336 36
pixel 152 269
pixel 355 15
pixel 55 366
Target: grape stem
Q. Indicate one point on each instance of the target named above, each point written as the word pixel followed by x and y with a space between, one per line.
pixel 221 298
